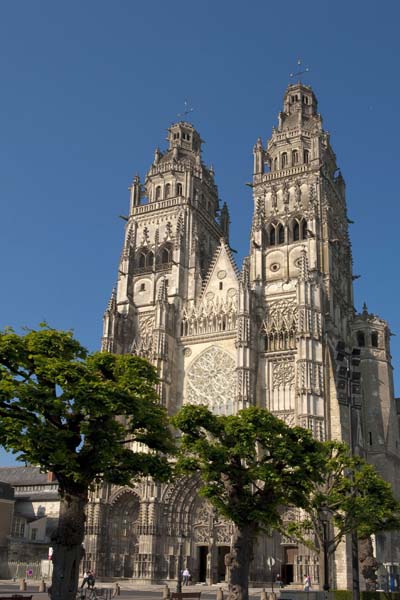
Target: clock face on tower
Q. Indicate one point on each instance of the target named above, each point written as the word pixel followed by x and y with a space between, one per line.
pixel 211 381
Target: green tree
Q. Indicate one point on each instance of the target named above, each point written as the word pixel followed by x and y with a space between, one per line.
pixel 352 498
pixel 250 464
pixel 85 417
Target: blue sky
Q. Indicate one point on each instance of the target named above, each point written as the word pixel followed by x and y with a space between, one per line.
pixel 89 88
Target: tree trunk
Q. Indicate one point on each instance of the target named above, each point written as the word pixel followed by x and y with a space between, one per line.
pixel 241 557
pixel 67 546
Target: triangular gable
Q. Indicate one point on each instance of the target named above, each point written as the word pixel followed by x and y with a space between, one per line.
pixel 222 276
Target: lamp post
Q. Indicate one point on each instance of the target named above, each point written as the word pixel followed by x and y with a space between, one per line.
pixel 350 384
pixel 325 514
pixel 179 580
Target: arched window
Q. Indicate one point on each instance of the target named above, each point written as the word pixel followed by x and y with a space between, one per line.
pixel 280 234
pixel 164 256
pixel 179 189
pixel 272 236
pixel 360 339
pixel 142 287
pixel 284 160
pixel 374 339
pixel 168 190
pixel 275 164
pixel 303 229
pixel 142 260
pixel 150 259
pixel 295 157
pixel 306 157
pixel 296 231
pixel 158 192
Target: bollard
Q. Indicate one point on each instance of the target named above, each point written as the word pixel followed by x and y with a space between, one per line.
pixel 22 585
pixel 42 586
pixel 166 593
pixel 220 594
pixel 263 595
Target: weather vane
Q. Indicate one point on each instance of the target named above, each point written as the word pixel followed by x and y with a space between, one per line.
pixel 188 110
pixel 300 72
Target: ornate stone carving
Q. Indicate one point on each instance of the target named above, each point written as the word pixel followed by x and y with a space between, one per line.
pixel 283 373
pixel 210 316
pixel 211 380
pixel 280 326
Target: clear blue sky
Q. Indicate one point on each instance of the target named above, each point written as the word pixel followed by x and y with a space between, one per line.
pixel 89 88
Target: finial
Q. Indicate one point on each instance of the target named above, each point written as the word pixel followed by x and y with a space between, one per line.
pixel 188 110
pixel 112 303
pixel 162 291
pixel 365 309
pixel 157 155
pixel 299 72
pixel 304 272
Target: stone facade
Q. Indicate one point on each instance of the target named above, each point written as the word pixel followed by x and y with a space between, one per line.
pixel 266 335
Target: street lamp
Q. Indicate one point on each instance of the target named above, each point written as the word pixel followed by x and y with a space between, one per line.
pixel 325 515
pixel 349 388
pixel 179 581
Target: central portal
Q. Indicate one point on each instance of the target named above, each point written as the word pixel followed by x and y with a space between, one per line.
pixel 222 552
pixel 202 562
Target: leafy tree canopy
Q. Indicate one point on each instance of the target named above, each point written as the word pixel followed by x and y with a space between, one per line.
pixel 85 417
pixel 250 464
pixel 352 495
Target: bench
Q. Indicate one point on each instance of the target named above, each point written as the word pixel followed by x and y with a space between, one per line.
pixel 180 596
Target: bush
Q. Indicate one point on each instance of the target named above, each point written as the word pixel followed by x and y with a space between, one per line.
pixel 342 595
pixel 348 595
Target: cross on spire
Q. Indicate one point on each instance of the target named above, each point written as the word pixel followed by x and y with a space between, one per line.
pixel 188 110
pixel 300 72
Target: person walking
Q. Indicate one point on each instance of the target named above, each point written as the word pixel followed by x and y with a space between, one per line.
pixel 85 579
pixel 307 583
pixel 186 576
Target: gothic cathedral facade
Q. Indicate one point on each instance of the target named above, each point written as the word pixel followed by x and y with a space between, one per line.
pixel 280 333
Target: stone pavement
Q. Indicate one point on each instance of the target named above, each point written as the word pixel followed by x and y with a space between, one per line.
pixel 129 590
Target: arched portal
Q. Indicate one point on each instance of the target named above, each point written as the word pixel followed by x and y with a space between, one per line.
pixel 122 539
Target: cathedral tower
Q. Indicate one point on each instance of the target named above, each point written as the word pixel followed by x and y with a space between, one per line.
pixel 281 333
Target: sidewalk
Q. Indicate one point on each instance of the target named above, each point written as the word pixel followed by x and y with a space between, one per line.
pixel 129 589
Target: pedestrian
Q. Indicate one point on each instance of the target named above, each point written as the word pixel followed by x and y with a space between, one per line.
pixel 279 581
pixel 85 579
pixel 91 580
pixel 186 576
pixel 307 583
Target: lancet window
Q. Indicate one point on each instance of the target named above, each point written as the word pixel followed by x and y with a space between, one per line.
pixel 164 255
pixel 374 339
pixel 276 234
pixel 360 339
pixel 280 327
pixel 145 259
pixel 298 229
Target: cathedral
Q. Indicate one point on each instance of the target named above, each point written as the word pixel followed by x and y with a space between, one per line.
pixel 279 331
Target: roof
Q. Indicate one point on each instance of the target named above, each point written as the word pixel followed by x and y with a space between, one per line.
pixel 23 476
